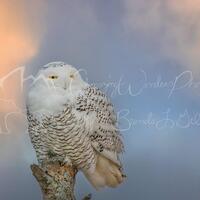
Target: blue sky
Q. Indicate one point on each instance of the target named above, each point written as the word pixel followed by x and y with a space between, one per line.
pixel 129 44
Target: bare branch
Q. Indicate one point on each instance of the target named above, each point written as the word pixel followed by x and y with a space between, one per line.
pixel 56 181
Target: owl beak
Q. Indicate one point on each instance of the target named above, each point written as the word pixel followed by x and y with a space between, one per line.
pixel 65 86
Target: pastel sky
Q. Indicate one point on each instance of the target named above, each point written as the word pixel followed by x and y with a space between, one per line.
pixel 144 54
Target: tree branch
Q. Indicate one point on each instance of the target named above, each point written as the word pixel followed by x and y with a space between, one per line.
pixel 56 181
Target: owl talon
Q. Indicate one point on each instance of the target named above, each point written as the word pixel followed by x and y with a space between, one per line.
pixel 53 158
pixel 67 161
pixel 51 154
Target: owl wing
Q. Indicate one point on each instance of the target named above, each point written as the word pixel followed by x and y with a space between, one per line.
pixel 36 133
pixel 99 113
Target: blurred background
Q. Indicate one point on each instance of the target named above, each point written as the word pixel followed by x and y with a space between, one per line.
pixel 144 54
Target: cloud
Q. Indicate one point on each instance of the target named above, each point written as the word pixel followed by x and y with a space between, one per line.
pixel 21 30
pixel 172 26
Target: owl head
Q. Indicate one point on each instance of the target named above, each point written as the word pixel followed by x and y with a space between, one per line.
pixel 58 75
pixel 55 84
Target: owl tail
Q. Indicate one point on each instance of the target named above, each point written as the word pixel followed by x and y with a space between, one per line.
pixel 106 173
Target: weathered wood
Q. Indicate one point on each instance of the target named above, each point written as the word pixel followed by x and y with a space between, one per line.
pixel 56 181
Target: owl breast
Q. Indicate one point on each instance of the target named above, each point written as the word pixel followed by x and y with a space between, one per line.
pixel 64 135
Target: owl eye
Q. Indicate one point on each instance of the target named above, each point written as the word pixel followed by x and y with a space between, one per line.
pixel 71 75
pixel 53 77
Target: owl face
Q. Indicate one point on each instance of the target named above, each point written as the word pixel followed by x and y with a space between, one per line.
pixel 59 77
pixel 55 85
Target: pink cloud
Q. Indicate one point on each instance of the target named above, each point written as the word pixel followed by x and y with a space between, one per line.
pixel 21 30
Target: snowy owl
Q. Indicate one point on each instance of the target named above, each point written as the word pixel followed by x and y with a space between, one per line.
pixel 76 121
